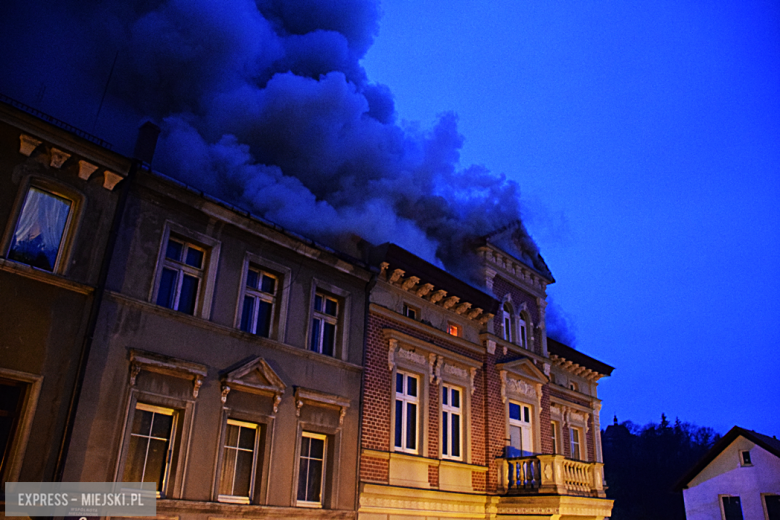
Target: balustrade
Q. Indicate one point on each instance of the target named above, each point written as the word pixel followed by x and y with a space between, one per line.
pixel 551 474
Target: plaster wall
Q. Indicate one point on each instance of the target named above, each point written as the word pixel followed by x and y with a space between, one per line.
pixel 725 476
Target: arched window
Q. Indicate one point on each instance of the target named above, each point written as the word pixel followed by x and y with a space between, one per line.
pixel 507 322
pixel 522 339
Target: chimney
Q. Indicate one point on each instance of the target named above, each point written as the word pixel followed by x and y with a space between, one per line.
pixel 146 142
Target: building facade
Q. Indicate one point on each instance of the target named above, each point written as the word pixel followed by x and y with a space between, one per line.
pixel 153 333
pixel 738 479
pixel 469 411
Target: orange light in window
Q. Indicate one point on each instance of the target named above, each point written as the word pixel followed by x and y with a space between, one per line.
pixel 453 330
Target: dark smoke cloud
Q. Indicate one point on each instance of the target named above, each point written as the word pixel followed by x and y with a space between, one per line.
pixel 264 104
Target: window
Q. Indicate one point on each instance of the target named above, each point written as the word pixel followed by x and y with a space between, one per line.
pixel 311 469
pixel 239 462
pixel 507 322
pixel 41 229
pixel 324 324
pixel 150 451
pixel 732 508
pixel 454 330
pixel 410 312
pixel 181 276
pixel 522 335
pixel 260 296
pixel 520 428
pixel 573 386
pixel 574 434
pixel 406 405
pixel 772 506
pixel 451 420
pixel 744 458
pixel 555 434
pixel 11 397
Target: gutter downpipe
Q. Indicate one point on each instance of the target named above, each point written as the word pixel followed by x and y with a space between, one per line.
pixel 94 312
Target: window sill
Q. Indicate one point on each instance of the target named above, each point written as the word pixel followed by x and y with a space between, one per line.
pixel 42 276
pixel 172 507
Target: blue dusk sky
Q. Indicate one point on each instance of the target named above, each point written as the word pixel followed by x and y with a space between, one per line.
pixel 645 137
pixel 638 141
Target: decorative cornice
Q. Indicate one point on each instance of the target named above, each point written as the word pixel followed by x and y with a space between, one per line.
pixel 153 362
pixel 317 398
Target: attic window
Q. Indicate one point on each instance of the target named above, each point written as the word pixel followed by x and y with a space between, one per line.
pixel 573 386
pixel 744 458
pixel 410 312
pixel 454 330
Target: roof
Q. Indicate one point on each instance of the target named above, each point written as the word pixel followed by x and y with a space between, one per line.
pixel 513 240
pixel 413 265
pixel 770 444
pixel 575 356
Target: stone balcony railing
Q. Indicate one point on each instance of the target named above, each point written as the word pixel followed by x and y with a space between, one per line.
pixel 550 474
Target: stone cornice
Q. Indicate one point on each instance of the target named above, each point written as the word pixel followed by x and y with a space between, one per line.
pixel 433 295
pixel 576 369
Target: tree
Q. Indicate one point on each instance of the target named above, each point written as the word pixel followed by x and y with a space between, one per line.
pixel 642 464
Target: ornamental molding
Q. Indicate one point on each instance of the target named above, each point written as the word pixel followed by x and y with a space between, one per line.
pixel 455 371
pixel 411 356
pixel 518 386
pixel 420 505
pixel 166 365
pixel 321 399
pixel 58 157
pixel 254 377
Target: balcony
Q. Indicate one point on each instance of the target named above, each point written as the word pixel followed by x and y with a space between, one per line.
pixel 550 475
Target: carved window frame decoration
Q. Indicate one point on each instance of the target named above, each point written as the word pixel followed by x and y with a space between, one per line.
pixel 183 413
pixel 17 443
pixel 152 362
pixel 53 188
pixel 234 380
pixel 344 299
pixel 434 365
pixel 576 416
pixel 521 383
pixel 330 478
pixel 283 276
pixel 210 247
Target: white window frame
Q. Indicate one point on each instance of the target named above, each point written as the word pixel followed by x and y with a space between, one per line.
pixel 341 342
pixel 258 295
pixel 526 410
pixel 447 412
pixel 522 332
pixel 323 476
pixel 56 189
pixel 239 499
pixel 406 399
pixel 578 443
pixel 283 276
pixel 556 437
pixel 324 318
pixel 507 321
pixel 208 272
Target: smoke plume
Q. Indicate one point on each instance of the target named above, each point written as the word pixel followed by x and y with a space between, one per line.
pixel 265 104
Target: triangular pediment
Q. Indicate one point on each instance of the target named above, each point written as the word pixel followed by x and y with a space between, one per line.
pixel 525 368
pixel 255 376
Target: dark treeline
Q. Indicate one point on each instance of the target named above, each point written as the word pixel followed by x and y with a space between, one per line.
pixel 642 464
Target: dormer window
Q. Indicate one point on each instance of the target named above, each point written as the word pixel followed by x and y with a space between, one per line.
pixel 410 312
pixel 507 322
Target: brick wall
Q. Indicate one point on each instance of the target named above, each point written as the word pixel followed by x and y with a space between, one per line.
pixel 502 287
